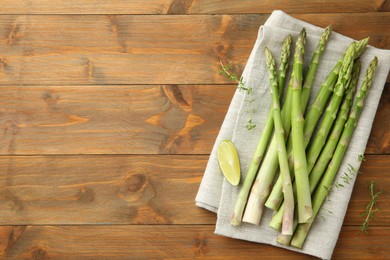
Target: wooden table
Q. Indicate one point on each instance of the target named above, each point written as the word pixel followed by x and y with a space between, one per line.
pixel 108 113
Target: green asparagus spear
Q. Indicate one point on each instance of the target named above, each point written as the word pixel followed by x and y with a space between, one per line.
pixel 333 167
pixel 332 109
pixel 263 141
pixel 326 154
pixel 282 152
pixel 297 120
pixel 262 185
pixel 275 198
pixel 311 73
pixel 313 115
pixel 284 57
pixel 313 152
pixel 315 110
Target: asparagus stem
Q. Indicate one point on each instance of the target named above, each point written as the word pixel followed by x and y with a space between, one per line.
pixel 282 152
pixel 262 185
pixel 297 120
pixel 313 115
pixel 275 198
pixel 334 165
pixel 251 174
pixel 263 142
pixel 311 73
pixel 316 109
pixel 326 154
pixel 332 109
pixel 321 137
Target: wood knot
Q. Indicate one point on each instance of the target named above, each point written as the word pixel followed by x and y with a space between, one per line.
pixel 86 195
pixel 136 188
pixel 201 247
pixel 39 253
pixel 4 67
pixel 134 183
pixel 179 7
pixel 13 34
pixel 51 100
pixel 176 97
pixel 13 236
pixel 223 51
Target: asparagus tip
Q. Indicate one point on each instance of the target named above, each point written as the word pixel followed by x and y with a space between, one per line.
pixel 288 40
pixel 327 31
pixel 269 59
pixel 361 46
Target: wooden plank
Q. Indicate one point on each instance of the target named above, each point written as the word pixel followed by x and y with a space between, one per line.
pixel 167 119
pixel 375 168
pixel 317 6
pixel 167 242
pixel 132 190
pixel 101 189
pixel 187 7
pixel 112 119
pixel 126 49
pixel 379 141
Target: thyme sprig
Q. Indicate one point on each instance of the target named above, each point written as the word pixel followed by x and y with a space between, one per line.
pixel 241 86
pixel 233 77
pixel 371 207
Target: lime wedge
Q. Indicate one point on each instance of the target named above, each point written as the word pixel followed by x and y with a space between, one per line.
pixel 229 162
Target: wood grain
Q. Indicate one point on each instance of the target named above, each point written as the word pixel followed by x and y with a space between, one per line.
pixel 375 168
pixel 167 242
pixel 106 189
pixel 165 119
pixel 379 141
pixel 111 119
pixel 187 6
pixel 101 189
pixel 126 49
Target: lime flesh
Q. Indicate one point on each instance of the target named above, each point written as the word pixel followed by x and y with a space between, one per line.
pixel 229 162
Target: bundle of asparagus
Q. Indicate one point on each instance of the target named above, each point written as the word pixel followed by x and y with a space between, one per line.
pixel 313 152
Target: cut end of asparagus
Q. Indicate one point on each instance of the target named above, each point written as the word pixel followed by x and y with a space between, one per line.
pixel 277 218
pixel 300 234
pixel 287 227
pixel 274 204
pixel 275 225
pixel 284 239
pixel 235 221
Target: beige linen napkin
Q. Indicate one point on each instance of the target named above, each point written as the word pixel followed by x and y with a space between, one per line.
pixel 216 195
